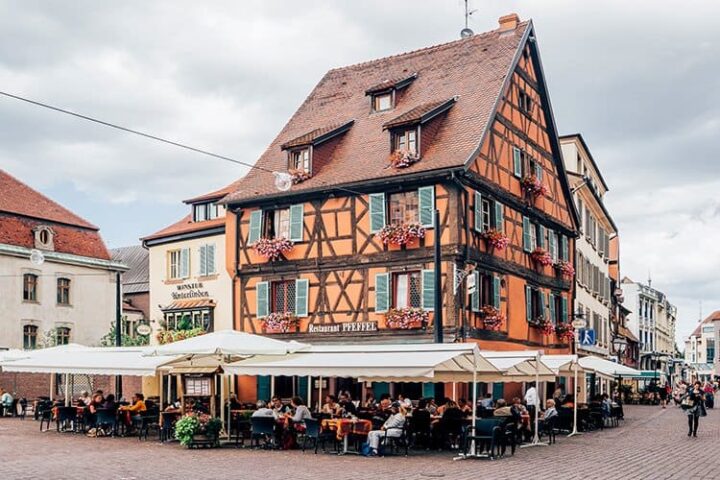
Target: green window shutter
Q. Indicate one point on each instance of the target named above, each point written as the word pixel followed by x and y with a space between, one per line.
pixel 210 254
pixel 382 292
pixel 499 217
pixel 428 289
pixel 426 203
pixel 541 297
pixel 301 297
pixel 527 235
pixel 263 387
pixel 203 260
pixel 551 244
pixel 475 296
pixel 517 162
pixel 541 239
pixel 528 303
pixel 478 212
pixel 563 309
pixel 262 291
pixel 539 171
pixel 551 302
pixel 297 213
pixel 377 212
pixel 255 226
pixel 564 254
pixel 496 291
pixel 185 263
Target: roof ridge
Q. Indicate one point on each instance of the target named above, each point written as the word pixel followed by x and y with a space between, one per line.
pixel 438 46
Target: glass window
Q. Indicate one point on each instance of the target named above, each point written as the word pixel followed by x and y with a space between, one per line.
pixel 63 291
pixel 62 336
pixel 486 214
pixel 30 282
pixel 280 223
pixel 525 102
pixel 283 297
pixel 407 290
pixel 406 140
pixel 404 208
pixel 174 264
pixel 205 211
pixel 382 101
pixel 29 337
pixel 300 160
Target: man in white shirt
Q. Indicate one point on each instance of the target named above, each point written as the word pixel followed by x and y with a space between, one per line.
pixel 531 403
pixel 263 411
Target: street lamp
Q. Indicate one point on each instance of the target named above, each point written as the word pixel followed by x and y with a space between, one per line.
pixel 577 323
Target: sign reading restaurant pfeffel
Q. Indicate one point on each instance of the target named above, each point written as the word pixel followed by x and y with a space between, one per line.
pixel 189 290
pixel 349 327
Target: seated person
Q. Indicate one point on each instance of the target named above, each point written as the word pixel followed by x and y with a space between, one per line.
pixel 263 410
pixel 347 405
pixel 370 402
pixel 6 401
pixel 134 410
pixel 97 401
pixel 279 407
pixel 392 428
pixel 301 412
pixel 432 406
pixel 464 406
pixel 569 401
pixel 110 403
pixel 404 401
pixel 450 423
pixel 383 411
pixel 550 410
pixel 487 402
pixel 502 409
pixel 85 399
pixel 331 407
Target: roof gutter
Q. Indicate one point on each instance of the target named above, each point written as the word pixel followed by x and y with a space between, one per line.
pixel 65 258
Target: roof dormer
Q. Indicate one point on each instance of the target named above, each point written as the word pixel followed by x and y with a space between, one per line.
pixel 300 149
pixel 383 96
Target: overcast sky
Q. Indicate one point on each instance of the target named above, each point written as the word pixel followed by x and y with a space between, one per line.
pixel 638 79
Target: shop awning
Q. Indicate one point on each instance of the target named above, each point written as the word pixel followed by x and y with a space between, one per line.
pixel 402 363
pixel 516 366
pixel 606 368
pixel 227 343
pixel 189 305
pixel 88 361
pixel 562 365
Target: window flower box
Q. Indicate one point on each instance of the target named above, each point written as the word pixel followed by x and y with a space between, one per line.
pixel 565 269
pixel 544 325
pixel 401 234
pixel 299 176
pixel 403 158
pixel 565 332
pixel 495 239
pixel 533 187
pixel 541 257
pixel 169 336
pixel 272 248
pixel 491 317
pixel 406 318
pixel 279 322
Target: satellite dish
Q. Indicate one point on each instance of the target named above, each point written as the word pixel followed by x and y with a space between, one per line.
pixel 283 181
pixel 36 257
pixel 466 32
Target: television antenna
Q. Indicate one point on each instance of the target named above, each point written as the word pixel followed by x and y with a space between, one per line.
pixel 467 32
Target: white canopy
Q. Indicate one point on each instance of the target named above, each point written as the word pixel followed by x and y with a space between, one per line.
pixel 562 365
pixel 228 343
pixel 516 366
pixel 406 362
pixel 607 368
pixel 88 361
pixel 12 354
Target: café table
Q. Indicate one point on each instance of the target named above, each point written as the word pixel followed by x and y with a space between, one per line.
pixel 344 427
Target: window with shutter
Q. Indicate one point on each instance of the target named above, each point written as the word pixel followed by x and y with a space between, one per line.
pixel 255 230
pixel 297 213
pixel 564 309
pixel 203 261
pixel 428 289
pixel 210 254
pixel 552 245
pixel 382 292
pixel 377 212
pixel 499 216
pixel 478 212
pixel 427 206
pixel 528 304
pixel 538 171
pixel 564 249
pixel 541 236
pixel 185 263
pixel 475 296
pixel 527 235
pixel 262 300
pixel 517 162
pixel 496 291
pixel 551 303
pixel 301 297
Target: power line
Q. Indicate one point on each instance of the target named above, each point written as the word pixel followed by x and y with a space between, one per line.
pixel 130 130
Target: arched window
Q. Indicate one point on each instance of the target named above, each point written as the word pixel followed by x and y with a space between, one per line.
pixel 62 336
pixel 63 291
pixel 29 337
pixel 30 281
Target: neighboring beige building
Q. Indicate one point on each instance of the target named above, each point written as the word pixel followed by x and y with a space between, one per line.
pixel 71 296
pixel 700 348
pixel 189 285
pixel 593 287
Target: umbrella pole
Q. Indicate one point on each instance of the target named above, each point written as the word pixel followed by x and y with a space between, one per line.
pixel 67 390
pixel 320 397
pixel 272 386
pixel 575 402
pixel 309 392
pixel 536 438
pixel 472 453
pixel 160 390
pixel 52 387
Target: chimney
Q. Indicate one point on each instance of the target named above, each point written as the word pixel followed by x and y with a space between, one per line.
pixel 509 22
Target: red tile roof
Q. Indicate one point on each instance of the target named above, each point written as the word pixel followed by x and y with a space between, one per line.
pixel 185 225
pixel 474 68
pixel 214 195
pixel 415 115
pixel 18 198
pixel 325 133
pixel 712 317
pixel 394 83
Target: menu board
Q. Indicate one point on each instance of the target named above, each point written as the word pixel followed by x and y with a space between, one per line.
pixel 197 386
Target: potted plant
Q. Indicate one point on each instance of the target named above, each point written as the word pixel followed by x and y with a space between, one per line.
pixel 279 322
pixel 401 234
pixel 299 176
pixel 565 269
pixel 406 318
pixel 194 430
pixel 491 317
pixel 533 187
pixel 169 336
pixel 541 257
pixel 272 248
pixel 565 332
pixel 403 158
pixel 495 239
pixel 544 325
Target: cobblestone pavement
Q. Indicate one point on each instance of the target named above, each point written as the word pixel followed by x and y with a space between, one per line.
pixel 651 444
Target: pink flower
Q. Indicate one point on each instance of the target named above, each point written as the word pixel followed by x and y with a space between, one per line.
pixel 281 321
pixel 405 318
pixel 272 248
pixel 541 257
pixel 401 234
pixel 403 158
pixel 496 239
pixel 566 268
pixel 533 186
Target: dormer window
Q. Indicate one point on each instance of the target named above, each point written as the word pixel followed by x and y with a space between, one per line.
pixel 300 160
pixel 524 102
pixel 405 141
pixel 382 101
pixel 44 237
pixel 205 211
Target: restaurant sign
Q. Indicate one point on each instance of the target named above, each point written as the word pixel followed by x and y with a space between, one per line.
pixel 189 290
pixel 346 327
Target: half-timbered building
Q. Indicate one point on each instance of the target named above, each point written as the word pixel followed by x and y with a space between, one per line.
pixel 347 252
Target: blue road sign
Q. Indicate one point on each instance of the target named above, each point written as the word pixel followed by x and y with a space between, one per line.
pixel 587 337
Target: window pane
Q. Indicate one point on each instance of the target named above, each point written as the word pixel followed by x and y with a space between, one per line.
pixel 412 143
pixel 415 290
pixel 404 208
pixel 401 291
pixel 382 102
pixel 282 223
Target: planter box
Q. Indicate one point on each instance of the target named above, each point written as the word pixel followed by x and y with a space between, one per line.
pixel 203 441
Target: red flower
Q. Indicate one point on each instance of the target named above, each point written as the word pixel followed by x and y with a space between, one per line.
pixel 403 158
pixel 541 257
pixel 272 248
pixel 491 317
pixel 405 318
pixel 401 234
pixel 565 268
pixel 496 239
pixel 533 186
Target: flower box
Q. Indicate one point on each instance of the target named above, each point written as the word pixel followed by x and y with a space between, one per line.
pixel 403 158
pixel 544 325
pixel 406 318
pixel 272 248
pixel 541 257
pixel 401 234
pixel 169 336
pixel 533 187
pixel 279 322
pixel 299 176
pixel 495 239
pixel 565 332
pixel 491 317
pixel 566 269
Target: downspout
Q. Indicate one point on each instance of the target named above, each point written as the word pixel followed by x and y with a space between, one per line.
pixel 463 310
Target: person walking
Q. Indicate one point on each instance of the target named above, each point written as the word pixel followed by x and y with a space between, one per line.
pixel 694 407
